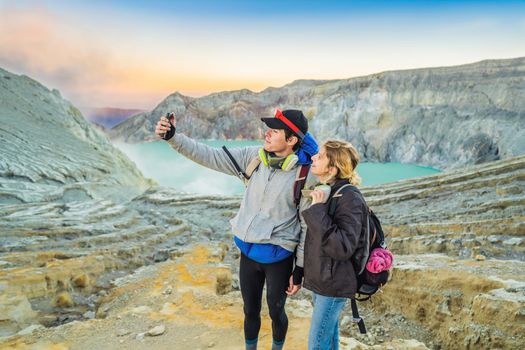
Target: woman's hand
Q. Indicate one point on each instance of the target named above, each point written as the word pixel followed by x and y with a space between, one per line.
pixel 317 196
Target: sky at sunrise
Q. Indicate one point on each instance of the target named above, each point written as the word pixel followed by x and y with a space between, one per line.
pixel 132 54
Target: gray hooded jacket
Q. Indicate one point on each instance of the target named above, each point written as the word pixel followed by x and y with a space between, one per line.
pixel 267 213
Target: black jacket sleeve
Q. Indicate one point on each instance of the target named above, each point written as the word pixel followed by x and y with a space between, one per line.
pixel 339 235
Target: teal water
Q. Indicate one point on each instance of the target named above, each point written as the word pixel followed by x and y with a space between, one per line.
pixel 157 160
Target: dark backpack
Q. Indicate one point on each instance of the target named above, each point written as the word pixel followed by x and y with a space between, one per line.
pixel 368 283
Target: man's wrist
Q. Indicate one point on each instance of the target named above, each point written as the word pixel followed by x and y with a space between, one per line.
pixel 297 275
pixel 170 133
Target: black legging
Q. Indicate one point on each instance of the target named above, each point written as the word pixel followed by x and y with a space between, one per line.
pixel 252 276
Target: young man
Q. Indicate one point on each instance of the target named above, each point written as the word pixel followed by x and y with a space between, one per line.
pixel 266 228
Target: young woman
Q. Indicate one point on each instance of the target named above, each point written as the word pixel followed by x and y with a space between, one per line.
pixel 332 241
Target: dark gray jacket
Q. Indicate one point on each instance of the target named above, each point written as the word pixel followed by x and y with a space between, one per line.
pixel 332 241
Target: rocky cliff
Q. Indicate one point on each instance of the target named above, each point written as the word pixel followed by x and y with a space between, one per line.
pixel 440 117
pixel 50 152
pixel 460 242
pixel 52 160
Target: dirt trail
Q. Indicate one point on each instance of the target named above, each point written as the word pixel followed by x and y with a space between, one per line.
pixel 180 295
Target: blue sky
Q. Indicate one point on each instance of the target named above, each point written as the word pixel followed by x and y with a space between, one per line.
pixel 259 7
pixel 132 54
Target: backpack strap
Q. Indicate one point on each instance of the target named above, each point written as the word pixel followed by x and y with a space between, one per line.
pixel 300 180
pixel 379 235
pixel 241 174
pixel 356 318
pixel 252 166
pixel 333 200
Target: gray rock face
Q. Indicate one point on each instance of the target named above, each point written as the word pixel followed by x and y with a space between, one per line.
pixel 49 152
pixel 441 117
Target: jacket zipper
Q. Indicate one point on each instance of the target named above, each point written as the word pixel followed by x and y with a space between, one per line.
pixel 272 171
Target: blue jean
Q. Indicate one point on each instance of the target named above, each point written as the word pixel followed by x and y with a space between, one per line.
pixel 324 328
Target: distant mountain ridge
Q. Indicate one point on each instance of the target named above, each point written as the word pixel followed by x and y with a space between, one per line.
pixel 443 117
pixel 108 117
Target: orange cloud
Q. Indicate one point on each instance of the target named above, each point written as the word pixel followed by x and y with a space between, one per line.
pixel 92 71
pixel 40 44
pixel 34 38
pixel 35 42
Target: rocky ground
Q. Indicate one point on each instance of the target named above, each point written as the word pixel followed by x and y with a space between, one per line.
pixel 64 256
pixel 99 274
pixel 188 302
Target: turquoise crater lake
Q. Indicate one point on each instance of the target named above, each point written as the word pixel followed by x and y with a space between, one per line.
pixel 157 160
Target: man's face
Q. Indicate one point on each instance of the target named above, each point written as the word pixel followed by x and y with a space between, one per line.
pixel 275 141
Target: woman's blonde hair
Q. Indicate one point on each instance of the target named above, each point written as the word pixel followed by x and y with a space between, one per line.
pixel 344 158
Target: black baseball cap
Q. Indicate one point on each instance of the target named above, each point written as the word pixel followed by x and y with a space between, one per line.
pixel 290 119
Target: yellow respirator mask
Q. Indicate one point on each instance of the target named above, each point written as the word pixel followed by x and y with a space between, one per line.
pixel 283 163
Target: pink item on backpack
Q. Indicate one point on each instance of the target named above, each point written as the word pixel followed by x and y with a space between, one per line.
pixel 380 260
